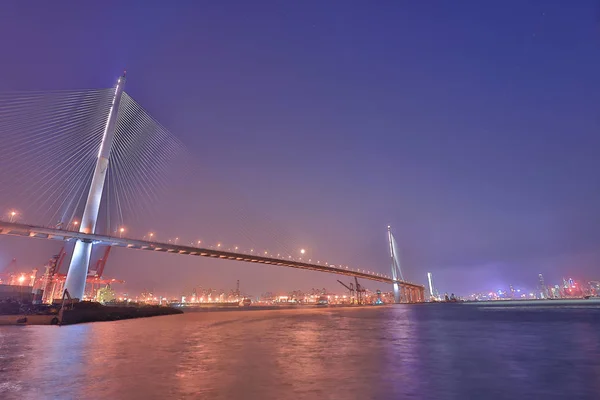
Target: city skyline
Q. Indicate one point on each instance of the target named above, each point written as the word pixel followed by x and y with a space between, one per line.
pixel 477 188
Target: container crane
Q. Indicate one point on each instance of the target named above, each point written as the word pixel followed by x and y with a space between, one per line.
pixel 350 289
pixel 101 263
pixel 359 291
pixel 94 278
pixel 60 258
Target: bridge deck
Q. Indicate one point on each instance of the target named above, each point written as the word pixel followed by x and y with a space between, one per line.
pixel 32 231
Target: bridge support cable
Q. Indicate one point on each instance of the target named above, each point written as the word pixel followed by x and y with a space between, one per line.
pixel 48 139
pixel 142 158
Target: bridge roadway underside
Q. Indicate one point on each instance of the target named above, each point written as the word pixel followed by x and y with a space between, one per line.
pixel 409 292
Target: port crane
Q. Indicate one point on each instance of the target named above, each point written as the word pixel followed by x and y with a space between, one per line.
pixel 101 263
pixel 355 289
pixel 350 289
pixel 360 291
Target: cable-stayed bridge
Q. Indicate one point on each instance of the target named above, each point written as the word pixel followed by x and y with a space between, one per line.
pixel 82 162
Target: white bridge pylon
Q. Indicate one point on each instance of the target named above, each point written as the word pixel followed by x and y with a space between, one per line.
pixel 395 265
pixel 80 261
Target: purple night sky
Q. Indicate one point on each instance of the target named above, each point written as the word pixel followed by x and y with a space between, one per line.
pixel 471 127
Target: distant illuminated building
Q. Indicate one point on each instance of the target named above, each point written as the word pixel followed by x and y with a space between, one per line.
pixel 512 291
pixel 543 288
pixel 571 283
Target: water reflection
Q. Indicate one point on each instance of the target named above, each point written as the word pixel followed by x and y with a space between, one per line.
pixel 420 352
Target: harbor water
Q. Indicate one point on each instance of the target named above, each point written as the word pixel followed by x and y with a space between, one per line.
pixel 428 351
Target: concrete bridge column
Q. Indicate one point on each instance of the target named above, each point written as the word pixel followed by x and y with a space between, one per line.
pixel 402 294
pixel 80 261
pixel 397 295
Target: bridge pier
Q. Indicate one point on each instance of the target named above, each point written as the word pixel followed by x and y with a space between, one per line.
pixel 402 294
pixel 80 261
pixel 78 269
pixel 397 295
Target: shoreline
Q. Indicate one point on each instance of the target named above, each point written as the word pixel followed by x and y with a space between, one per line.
pixel 274 307
pixel 95 312
pixel 87 312
pixel 536 302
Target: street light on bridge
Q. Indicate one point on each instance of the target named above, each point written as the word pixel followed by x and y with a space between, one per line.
pixel 12 216
pixel 121 230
